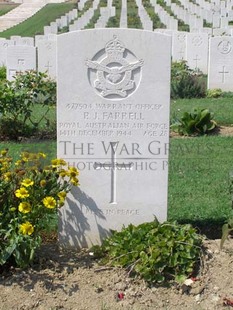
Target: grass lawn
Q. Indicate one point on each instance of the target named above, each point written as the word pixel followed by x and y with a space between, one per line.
pixel 221 107
pixel 6 7
pixel 47 147
pixel 35 24
pixel 198 178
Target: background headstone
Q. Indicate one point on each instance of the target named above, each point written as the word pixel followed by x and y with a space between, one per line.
pixel 20 59
pixel 220 69
pixel 47 56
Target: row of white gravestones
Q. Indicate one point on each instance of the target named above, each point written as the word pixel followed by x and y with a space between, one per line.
pixel 21 58
pixel 199 52
pixel 105 14
pixel 81 4
pixel 61 22
pixel 169 21
pixel 83 21
pixel 113 125
pixel 192 47
pixel 194 16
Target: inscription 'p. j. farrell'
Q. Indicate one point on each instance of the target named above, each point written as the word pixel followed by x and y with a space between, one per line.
pixel 113 125
pixel 105 116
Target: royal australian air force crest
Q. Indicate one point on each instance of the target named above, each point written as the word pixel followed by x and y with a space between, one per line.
pixel 114 71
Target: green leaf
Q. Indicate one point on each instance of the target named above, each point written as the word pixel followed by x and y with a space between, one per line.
pixel 180 278
pixel 6 253
pixel 225 233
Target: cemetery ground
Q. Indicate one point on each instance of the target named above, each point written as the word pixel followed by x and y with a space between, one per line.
pixel 198 193
pixel 75 281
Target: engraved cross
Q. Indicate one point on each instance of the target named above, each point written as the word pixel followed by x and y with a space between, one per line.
pixel 48 66
pixel 113 166
pixel 223 72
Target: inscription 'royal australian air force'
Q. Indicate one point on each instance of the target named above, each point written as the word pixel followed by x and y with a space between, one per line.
pixel 113 124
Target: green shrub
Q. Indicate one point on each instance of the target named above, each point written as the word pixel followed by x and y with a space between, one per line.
pixel 2 74
pixel 156 252
pixel 134 20
pixel 19 96
pixel 214 93
pixel 198 122
pixel 113 22
pixel 186 83
pixel 228 94
pixel 30 193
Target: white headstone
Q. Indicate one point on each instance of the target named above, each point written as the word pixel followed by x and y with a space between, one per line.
pixel 3 50
pixel 220 72
pixel 23 40
pixel 197 51
pixel 47 56
pixel 64 21
pixel 20 59
pixel 113 125
pixel 47 30
pixel 179 45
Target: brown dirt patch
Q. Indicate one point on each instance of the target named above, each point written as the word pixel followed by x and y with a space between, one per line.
pixel 75 281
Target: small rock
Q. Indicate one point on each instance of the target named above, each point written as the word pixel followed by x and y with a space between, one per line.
pixel 99 290
pixel 188 282
pixel 215 298
pixel 198 298
pixel 185 289
pixel 69 270
pixel 120 286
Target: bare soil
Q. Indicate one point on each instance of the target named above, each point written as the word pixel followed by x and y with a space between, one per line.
pixel 75 281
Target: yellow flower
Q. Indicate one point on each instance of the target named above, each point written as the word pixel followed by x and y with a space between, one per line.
pixel 49 202
pixel 25 156
pixel 18 163
pixel 25 207
pixel 62 195
pixel 72 172
pixel 58 162
pixel 26 228
pixel 54 162
pixel 62 173
pixel 7 176
pixel 42 183
pixel 22 193
pixel 4 152
pixel 27 182
pixel 61 202
pixel 74 181
pixel 42 155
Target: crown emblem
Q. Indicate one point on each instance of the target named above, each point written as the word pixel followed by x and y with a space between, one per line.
pixel 114 46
